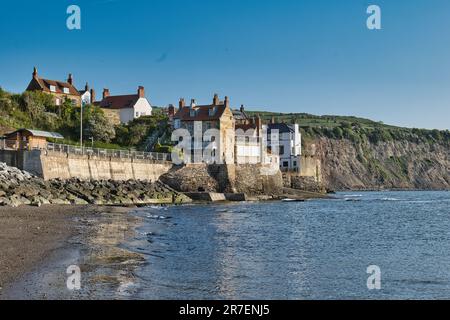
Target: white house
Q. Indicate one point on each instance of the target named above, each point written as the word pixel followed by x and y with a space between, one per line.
pixel 125 108
pixel 289 144
pixel 87 96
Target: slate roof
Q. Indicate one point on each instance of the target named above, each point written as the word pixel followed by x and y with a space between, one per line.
pixel 38 133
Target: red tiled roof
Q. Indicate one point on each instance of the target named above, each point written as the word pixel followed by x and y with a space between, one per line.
pixel 119 102
pixel 202 113
pixel 59 86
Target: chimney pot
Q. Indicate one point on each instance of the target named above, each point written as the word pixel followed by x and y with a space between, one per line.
pixel 216 99
pixel 70 79
pixel 181 104
pixel 35 74
pixel 105 93
pixel 92 96
pixel 227 102
pixel 141 92
pixel 171 110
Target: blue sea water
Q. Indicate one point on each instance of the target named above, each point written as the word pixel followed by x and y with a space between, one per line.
pixel 318 249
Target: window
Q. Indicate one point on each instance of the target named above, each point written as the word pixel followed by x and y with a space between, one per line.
pixel 285 164
pixel 295 163
pixel 281 150
pixel 66 90
pixel 52 88
pixel 58 101
pixel 137 114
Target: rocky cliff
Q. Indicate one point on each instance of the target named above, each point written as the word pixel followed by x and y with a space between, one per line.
pixel 396 164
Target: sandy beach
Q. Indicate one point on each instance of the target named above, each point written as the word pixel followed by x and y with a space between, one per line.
pixel 37 245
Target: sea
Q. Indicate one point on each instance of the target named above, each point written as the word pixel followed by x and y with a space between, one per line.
pixel 358 245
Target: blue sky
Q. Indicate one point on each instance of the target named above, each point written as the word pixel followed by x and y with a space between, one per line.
pixel 314 56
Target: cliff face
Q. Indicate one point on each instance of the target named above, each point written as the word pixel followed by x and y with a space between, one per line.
pixel 384 165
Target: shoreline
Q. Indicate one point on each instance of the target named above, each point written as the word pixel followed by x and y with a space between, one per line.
pixel 35 263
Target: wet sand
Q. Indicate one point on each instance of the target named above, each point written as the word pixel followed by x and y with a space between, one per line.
pixel 37 245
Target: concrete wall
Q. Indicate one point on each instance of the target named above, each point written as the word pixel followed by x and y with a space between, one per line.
pixel 53 165
pixel 310 167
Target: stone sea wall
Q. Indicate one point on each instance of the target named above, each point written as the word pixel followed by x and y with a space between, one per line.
pixel 55 165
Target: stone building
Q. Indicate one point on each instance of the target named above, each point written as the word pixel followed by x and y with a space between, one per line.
pixel 125 108
pixel 198 120
pixel 60 90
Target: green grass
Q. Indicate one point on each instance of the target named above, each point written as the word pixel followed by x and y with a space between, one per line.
pixel 355 129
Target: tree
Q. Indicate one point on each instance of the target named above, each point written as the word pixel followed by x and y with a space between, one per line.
pixel 97 125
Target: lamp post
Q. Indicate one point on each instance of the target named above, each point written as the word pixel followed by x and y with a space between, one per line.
pixel 81 128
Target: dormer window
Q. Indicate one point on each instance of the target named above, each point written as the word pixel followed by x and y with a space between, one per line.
pixel 53 88
pixel 192 113
pixel 212 111
pixel 66 90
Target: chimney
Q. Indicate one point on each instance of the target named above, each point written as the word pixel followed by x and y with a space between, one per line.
pixel 216 99
pixel 242 108
pixel 258 124
pixel 227 102
pixel 141 92
pixel 181 104
pixel 86 87
pixel 105 93
pixel 92 96
pixel 192 103
pixel 171 110
pixel 35 74
pixel 70 79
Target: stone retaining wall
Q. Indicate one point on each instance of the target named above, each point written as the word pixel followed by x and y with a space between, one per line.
pixel 55 165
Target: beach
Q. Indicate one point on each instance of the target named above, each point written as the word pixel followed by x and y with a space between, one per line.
pixel 39 244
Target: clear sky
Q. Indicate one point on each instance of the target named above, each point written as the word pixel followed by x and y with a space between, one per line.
pixel 314 56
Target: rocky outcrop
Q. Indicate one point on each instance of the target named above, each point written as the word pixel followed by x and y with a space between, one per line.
pixel 248 179
pixel 305 183
pixel 384 165
pixel 18 187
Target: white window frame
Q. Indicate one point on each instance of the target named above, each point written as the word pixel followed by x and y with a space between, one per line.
pixel 66 90
pixel 52 88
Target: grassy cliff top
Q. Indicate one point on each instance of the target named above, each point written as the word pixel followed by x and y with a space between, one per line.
pixel 354 128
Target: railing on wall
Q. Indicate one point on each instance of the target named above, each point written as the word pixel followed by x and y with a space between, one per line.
pixel 77 150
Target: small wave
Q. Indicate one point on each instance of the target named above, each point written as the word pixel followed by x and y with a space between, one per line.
pixel 390 199
pixel 157 217
pixel 353 195
pixel 156 207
